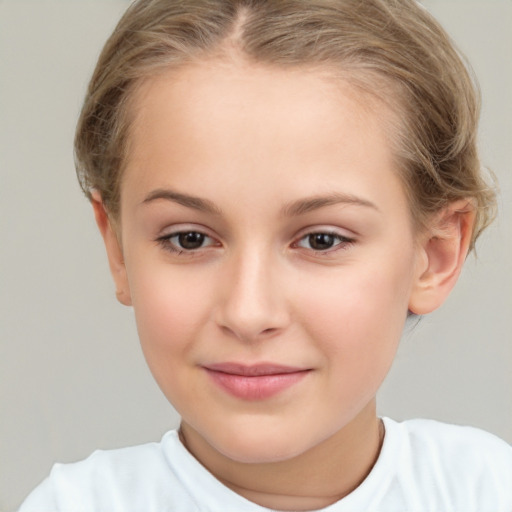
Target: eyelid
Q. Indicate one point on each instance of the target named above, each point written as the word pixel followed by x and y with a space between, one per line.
pixel 345 239
pixel 175 229
pixel 327 229
pixel 164 238
pixel 174 235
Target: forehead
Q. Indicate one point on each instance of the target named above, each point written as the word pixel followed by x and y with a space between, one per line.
pixel 241 123
pixel 210 91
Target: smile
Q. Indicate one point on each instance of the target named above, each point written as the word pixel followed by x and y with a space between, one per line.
pixel 255 382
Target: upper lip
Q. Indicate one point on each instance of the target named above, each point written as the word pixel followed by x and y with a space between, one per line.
pixel 253 370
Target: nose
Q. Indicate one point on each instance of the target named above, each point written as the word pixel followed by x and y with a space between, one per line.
pixel 253 304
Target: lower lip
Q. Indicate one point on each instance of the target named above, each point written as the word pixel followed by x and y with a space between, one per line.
pixel 258 387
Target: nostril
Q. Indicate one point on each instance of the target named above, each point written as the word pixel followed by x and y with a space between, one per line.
pixel 226 330
pixel 249 334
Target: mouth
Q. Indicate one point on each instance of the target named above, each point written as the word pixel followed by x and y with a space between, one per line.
pixel 254 382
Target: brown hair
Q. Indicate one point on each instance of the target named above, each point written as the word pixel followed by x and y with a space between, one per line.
pixel 393 49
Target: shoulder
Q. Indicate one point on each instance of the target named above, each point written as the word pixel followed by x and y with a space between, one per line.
pixel 465 463
pixel 111 466
pixel 457 444
pixel 112 480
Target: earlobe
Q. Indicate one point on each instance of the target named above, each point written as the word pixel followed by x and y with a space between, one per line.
pixel 113 248
pixel 441 256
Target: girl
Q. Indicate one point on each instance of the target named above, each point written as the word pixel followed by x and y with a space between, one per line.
pixel 280 184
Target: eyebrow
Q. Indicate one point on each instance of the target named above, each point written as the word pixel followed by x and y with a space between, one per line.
pixel 193 202
pixel 299 207
pixel 309 204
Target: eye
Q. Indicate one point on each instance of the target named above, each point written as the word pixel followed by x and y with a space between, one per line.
pixel 323 241
pixel 190 240
pixel 186 241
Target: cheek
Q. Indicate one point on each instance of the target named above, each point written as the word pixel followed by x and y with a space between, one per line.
pixel 357 329
pixel 169 311
pixel 357 316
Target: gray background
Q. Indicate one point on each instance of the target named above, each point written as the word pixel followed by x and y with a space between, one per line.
pixel 72 376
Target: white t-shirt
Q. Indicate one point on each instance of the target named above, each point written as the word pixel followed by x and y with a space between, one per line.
pixel 423 466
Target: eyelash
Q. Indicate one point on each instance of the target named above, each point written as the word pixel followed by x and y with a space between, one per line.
pixel 343 242
pixel 165 241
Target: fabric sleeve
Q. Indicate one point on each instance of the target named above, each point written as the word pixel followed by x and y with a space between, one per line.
pixel 41 499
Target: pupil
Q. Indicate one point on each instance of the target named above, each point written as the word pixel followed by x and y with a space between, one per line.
pixel 321 241
pixel 191 240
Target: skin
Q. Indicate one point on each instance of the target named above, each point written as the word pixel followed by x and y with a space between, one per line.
pixel 273 156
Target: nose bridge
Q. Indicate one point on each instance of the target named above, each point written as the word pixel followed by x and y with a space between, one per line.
pixel 252 305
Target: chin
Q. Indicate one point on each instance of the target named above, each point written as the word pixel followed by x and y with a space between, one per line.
pixel 261 446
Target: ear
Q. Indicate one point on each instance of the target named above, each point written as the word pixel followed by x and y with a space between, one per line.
pixel 114 251
pixel 442 253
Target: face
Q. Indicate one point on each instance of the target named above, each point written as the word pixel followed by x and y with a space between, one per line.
pixel 267 251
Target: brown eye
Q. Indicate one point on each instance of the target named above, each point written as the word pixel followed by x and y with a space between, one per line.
pixel 324 241
pixel 190 240
pixel 182 242
pixel 321 241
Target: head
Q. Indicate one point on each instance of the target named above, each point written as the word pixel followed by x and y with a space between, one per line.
pixel 392 50
pixel 204 122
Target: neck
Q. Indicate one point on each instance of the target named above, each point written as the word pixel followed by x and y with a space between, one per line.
pixel 314 479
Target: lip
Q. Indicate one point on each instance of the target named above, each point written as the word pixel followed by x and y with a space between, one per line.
pixel 254 382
